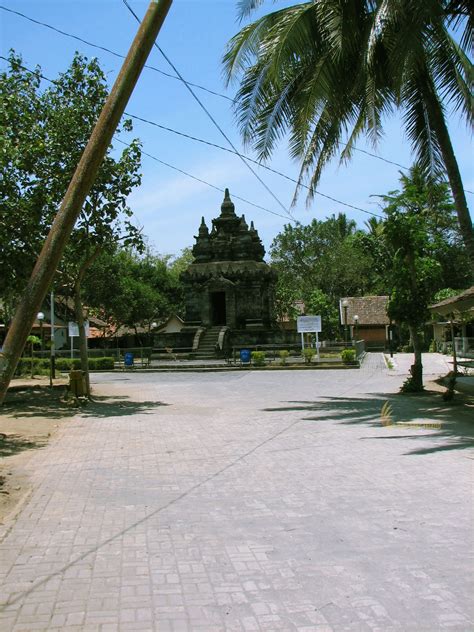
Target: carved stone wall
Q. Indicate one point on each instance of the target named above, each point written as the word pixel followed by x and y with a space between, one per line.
pixel 229 283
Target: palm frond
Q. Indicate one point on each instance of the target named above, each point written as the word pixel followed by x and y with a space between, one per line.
pixel 420 131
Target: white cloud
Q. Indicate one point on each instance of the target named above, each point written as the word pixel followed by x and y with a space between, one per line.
pixel 175 191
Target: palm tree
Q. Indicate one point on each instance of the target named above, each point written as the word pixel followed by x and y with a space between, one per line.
pixel 327 71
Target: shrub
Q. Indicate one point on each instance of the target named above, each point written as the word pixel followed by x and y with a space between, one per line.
pixel 308 354
pixel 66 364
pixel 407 349
pixel 283 355
pixel 40 366
pixel 101 364
pixel 258 358
pixel 348 356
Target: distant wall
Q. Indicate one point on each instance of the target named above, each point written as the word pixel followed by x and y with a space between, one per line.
pixel 247 337
pixel 176 340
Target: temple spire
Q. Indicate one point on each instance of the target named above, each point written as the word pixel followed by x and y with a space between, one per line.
pixel 227 206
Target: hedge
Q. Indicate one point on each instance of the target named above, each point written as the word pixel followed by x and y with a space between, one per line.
pixel 41 365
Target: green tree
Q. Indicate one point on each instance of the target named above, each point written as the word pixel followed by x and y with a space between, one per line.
pixel 414 272
pixel 124 288
pixel 46 132
pixel 323 71
pixel 327 255
pixel 320 304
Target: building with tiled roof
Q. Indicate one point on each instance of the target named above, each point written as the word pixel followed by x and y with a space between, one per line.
pixel 365 318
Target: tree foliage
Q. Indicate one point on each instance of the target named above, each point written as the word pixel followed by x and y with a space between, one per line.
pixel 44 134
pixel 127 289
pixel 326 72
pixel 327 256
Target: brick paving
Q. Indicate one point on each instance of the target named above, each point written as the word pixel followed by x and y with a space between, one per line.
pixel 247 501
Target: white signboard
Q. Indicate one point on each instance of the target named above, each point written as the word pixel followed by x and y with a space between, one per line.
pixel 74 329
pixel 310 324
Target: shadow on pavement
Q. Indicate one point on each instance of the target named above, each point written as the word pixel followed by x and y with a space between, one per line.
pixel 451 425
pixel 43 402
pixel 37 402
pixel 13 444
pixel 113 406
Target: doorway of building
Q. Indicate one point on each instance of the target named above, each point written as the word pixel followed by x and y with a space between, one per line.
pixel 218 311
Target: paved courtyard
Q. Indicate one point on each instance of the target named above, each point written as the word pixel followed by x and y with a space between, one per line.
pixel 247 501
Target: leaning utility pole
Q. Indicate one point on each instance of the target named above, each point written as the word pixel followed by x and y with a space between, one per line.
pixel 79 187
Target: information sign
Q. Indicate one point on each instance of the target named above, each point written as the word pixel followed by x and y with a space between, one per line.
pixel 309 324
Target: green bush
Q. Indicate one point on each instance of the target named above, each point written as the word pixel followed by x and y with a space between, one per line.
pixel 101 364
pixel 407 349
pixel 308 354
pixel 283 355
pixel 41 366
pixel 348 356
pixel 66 364
pixel 258 358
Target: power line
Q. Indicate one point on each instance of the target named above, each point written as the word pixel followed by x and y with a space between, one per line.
pixel 226 149
pixel 110 51
pixel 195 85
pixel 213 120
pixel 213 186
pixel 231 151
pixel 37 73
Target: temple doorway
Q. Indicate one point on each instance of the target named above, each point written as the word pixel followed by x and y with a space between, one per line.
pixel 218 309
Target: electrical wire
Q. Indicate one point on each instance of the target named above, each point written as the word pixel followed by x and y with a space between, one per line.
pixel 230 151
pixel 110 51
pixel 213 120
pixel 226 149
pixel 166 74
pixel 213 186
pixel 237 197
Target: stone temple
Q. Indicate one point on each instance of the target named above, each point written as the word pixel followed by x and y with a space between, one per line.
pixel 229 284
pixel 229 292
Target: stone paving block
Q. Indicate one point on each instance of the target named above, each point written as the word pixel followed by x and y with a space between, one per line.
pixel 251 501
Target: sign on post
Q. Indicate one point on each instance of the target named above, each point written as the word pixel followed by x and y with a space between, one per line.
pixel 309 324
pixel 73 330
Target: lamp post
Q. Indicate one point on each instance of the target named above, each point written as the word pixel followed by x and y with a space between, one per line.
pixel 356 323
pixel 345 305
pixel 153 325
pixel 40 317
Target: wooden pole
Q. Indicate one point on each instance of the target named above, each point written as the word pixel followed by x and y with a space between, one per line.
pixel 79 187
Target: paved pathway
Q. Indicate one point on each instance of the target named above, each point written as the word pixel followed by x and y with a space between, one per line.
pixel 247 501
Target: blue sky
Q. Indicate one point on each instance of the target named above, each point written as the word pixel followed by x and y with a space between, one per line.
pixel 169 204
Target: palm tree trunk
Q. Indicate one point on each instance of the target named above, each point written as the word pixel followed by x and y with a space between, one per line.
pixel 416 368
pixel 438 123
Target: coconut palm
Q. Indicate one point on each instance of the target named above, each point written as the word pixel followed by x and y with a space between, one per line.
pixel 328 71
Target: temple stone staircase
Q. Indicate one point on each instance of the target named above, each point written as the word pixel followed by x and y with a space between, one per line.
pixel 207 344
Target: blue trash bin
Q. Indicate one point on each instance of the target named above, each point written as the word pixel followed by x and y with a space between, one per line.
pixel 245 356
pixel 128 359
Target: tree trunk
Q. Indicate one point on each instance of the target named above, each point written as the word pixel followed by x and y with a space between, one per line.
pixel 438 123
pixel 82 335
pixel 80 316
pixel 79 187
pixel 416 369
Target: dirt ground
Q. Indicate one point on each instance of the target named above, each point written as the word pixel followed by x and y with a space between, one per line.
pixel 29 417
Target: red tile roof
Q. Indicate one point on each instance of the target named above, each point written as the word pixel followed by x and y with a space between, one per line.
pixel 371 310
